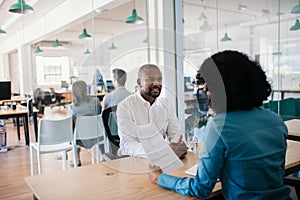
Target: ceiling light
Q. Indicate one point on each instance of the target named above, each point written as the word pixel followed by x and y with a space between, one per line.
pixel 296 9
pixel 145 40
pixel 87 51
pixel 112 46
pixel 2 32
pixel 56 43
pixel 279 13
pixel 226 38
pixel 38 50
pixel 100 10
pixel 21 7
pixel 296 26
pixel 202 16
pixel 242 7
pixel 265 12
pixel 134 18
pixel 205 26
pixel 84 35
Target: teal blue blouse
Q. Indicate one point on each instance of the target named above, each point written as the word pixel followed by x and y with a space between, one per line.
pixel 246 151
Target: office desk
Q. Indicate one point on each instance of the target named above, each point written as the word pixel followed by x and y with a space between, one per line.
pixel 283 91
pixel 105 181
pixel 15 99
pixel 24 114
pixel 293 126
pixel 100 95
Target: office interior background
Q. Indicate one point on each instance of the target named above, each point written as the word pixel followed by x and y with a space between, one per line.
pixel 176 35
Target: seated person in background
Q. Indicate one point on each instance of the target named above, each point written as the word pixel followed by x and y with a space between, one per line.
pixel 82 105
pixel 147 109
pixel 120 93
pixel 55 97
pixel 245 144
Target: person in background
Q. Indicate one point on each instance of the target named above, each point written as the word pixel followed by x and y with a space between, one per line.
pixel 245 145
pixel 146 109
pixel 82 105
pixel 120 92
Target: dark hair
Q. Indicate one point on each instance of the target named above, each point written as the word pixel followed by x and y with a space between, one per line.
pixel 120 76
pixel 234 81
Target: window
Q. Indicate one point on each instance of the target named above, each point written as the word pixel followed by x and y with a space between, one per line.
pixel 52 70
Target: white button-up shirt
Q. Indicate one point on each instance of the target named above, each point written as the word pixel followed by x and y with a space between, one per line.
pixel 135 115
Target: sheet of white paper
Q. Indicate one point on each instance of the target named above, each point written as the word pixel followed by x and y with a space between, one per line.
pixel 192 170
pixel 159 152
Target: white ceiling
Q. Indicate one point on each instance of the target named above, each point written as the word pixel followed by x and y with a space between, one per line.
pixel 111 21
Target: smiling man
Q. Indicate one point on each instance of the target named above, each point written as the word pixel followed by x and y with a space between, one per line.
pixel 147 112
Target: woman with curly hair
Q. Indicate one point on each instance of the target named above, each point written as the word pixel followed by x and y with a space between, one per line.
pixel 245 145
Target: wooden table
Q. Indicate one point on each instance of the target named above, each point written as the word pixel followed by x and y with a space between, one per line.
pixel 100 95
pixel 293 126
pixel 24 114
pixel 124 178
pixel 14 99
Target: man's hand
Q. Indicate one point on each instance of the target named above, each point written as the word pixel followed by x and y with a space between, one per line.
pixel 154 173
pixel 179 148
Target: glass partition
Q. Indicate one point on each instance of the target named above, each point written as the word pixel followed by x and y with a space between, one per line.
pixel 261 29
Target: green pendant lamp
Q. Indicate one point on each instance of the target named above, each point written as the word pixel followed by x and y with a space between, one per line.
pixel 21 7
pixel 2 32
pixel 145 40
pixel 134 18
pixel 296 26
pixel 56 43
pixel 84 35
pixel 112 46
pixel 87 51
pixel 296 9
pixel 38 50
pixel 202 16
pixel 226 38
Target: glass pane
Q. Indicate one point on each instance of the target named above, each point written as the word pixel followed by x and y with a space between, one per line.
pixel 260 29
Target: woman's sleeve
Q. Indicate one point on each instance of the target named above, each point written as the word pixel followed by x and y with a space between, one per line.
pixel 209 169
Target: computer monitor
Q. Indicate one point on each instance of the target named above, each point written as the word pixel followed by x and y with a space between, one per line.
pixel 5 90
pixel 64 84
pixel 109 85
pixel 188 86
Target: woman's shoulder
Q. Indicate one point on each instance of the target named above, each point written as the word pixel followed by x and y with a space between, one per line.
pixel 93 99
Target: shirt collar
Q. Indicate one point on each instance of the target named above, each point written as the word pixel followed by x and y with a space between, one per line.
pixel 138 94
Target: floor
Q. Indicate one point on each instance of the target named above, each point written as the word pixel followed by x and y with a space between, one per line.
pixel 15 163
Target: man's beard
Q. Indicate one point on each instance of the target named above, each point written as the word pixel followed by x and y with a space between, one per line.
pixel 150 92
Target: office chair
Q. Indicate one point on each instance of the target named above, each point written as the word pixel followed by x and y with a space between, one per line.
pixel 202 101
pixel 111 128
pixel 111 131
pixel 53 136
pixel 89 133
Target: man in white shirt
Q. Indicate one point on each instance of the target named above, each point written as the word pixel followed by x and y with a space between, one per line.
pixel 120 93
pixel 148 113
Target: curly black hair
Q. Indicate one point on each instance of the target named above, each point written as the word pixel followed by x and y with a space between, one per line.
pixel 235 82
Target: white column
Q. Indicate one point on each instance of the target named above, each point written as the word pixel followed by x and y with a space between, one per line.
pixel 165 48
pixel 25 69
pixel 4 67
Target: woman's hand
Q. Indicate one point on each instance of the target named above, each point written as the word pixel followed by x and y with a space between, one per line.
pixel 154 173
